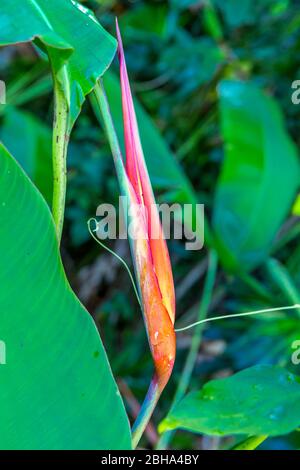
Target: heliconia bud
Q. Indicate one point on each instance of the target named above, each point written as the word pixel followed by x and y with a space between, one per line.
pixel 150 253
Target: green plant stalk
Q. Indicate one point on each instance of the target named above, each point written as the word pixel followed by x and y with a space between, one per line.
pixel 186 374
pixel 101 99
pixel 145 412
pixel 280 276
pixel 59 153
pixel 251 443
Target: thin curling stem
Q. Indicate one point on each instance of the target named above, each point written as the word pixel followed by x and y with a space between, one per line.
pixel 237 315
pixel 116 255
pixel 109 128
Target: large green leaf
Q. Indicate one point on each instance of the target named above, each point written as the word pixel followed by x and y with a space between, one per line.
pixel 66 31
pixel 261 400
pixel 29 140
pixel 56 388
pixel 259 178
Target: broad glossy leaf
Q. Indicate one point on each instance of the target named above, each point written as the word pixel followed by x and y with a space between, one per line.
pixel 261 400
pixel 66 31
pixel 259 177
pixel 56 388
pixel 30 141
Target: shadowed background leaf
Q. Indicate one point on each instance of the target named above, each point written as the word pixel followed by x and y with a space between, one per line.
pixel 259 177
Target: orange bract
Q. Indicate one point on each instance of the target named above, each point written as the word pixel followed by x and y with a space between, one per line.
pixel 150 252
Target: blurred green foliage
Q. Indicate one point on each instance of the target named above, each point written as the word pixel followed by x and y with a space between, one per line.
pixel 180 56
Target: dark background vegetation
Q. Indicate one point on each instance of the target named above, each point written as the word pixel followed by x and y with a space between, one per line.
pixel 177 53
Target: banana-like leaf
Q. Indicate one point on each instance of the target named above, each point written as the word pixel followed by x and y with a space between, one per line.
pixel 259 177
pixel 56 387
pixel 261 400
pixel 79 49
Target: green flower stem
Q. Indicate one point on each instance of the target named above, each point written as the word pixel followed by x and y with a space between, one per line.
pixel 59 152
pixel 186 374
pixel 251 443
pixel 101 99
